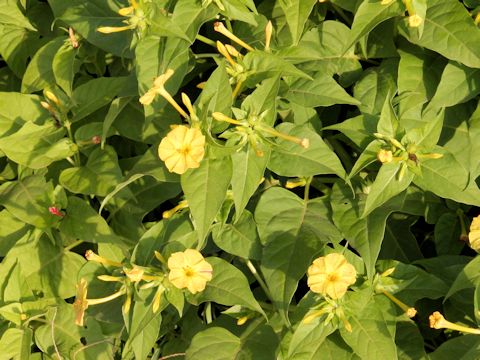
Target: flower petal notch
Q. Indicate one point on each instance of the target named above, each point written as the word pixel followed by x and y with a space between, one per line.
pixel 331 275
pixel 183 148
pixel 189 270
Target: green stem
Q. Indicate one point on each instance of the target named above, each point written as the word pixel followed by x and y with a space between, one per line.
pixel 341 153
pixel 257 276
pixel 206 40
pixel 68 125
pixel 307 188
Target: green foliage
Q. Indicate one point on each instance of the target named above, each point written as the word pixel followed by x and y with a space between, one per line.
pixel 315 130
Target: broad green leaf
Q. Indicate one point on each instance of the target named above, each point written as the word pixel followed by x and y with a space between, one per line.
pixel 63 67
pixel 97 93
pixel 469 277
pixel 296 13
pixel 463 347
pixel 213 340
pixel 10 14
pixel 447 235
pixel 150 164
pixel 388 122
pixel 370 13
pixel 15 343
pixel 83 223
pixel 375 85
pixel 307 340
pixel 291 159
pixel 205 189
pixel 239 238
pixel 11 230
pixel 249 169
pixel 359 129
pixel 27 108
pixel 228 287
pixel 409 341
pixel 39 73
pixel 99 175
pixel 448 30
pixel 37 146
pixel 322 91
pixel 370 337
pixel 457 85
pixel 447 178
pixel 28 199
pixel 291 231
pixel 263 101
pixel 47 267
pixel 367 157
pixel 85 18
pixel 387 184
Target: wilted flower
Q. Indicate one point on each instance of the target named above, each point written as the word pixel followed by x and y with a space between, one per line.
pixel 183 148
pixel 189 270
pixel 135 274
pixel 331 275
pixel 474 234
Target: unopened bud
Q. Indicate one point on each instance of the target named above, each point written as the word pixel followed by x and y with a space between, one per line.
pixel 126 11
pixel 96 140
pixel 415 20
pixel 268 35
pixel 385 156
pixel 51 96
pixel 242 320
pixel 55 211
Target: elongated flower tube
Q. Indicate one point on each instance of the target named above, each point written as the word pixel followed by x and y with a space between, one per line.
pixel 437 321
pixel 169 213
pixel 115 29
pixel 219 27
pixel 91 256
pixel 409 311
pixel 268 35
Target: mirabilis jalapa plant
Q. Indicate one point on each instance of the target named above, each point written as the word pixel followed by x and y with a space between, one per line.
pixel 246 179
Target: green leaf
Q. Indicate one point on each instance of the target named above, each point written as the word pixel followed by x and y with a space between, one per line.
pixel 291 159
pixel 63 67
pixel 85 18
pixel 322 91
pixel 307 340
pixel 296 14
pixel 370 13
pixel 28 199
pixel 97 93
pixel 213 340
pixel 39 73
pixel 205 189
pixel 15 343
pixel 37 146
pixel 83 223
pixel 228 287
pixel 464 347
pixel 99 176
pixel 10 14
pixel 239 238
pixel 387 184
pixel 291 231
pixel 448 30
pixel 457 85
pixel 11 230
pixel 370 337
pixel 249 169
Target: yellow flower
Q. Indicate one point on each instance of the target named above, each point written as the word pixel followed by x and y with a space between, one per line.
pixel 415 20
pixel 474 234
pixel 81 302
pixel 331 275
pixel 189 270
pixel 183 148
pixel 385 156
pixel 135 274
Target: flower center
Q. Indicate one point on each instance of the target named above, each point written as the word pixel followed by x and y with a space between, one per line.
pixel 185 149
pixel 189 272
pixel 332 277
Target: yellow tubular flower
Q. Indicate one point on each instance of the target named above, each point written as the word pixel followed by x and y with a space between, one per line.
pixel 81 303
pixel 183 148
pixel 114 29
pixel 331 275
pixel 437 321
pixel 189 270
pixel 135 274
pixel 474 234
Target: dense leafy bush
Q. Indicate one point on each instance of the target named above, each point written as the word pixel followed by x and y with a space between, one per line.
pixel 239 179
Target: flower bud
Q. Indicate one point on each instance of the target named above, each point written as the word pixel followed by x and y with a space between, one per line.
pixel 385 156
pixel 415 20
